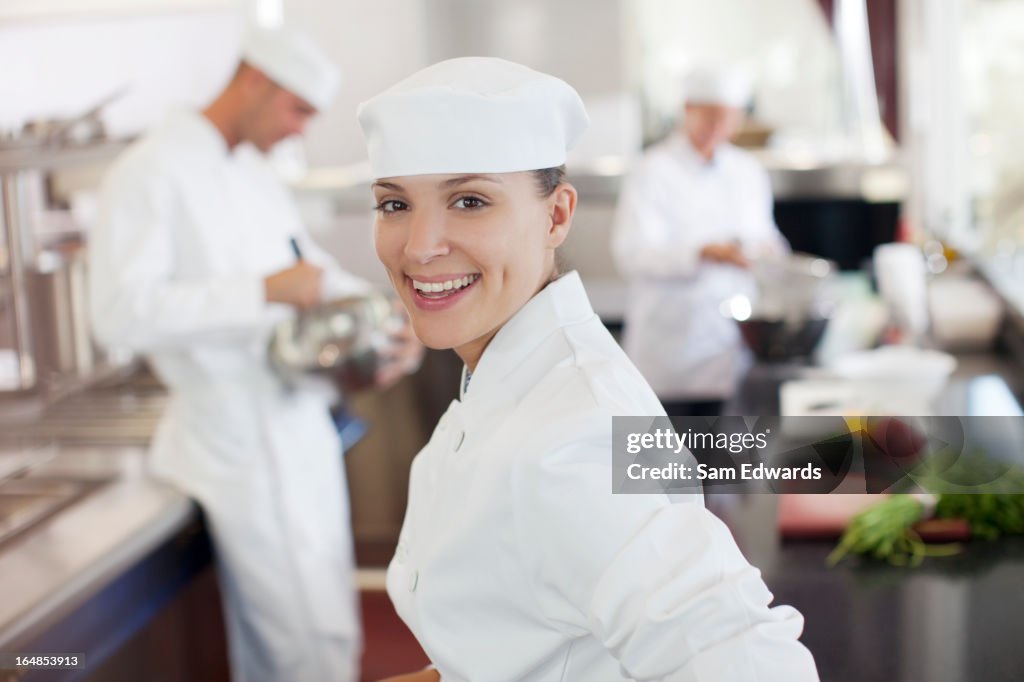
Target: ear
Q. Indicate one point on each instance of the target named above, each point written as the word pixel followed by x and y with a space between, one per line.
pixel 561 208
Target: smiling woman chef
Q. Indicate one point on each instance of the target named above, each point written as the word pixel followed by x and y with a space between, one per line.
pixel 516 562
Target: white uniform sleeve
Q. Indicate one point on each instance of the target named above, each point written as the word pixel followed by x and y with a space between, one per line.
pixel 645 242
pixel 663 586
pixel 136 301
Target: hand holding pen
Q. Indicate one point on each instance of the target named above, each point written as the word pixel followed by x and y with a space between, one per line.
pixel 298 285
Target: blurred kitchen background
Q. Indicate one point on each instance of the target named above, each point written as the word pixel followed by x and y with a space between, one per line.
pixel 878 120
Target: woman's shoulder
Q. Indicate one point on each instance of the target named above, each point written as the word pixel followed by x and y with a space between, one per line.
pixel 576 399
pixel 600 369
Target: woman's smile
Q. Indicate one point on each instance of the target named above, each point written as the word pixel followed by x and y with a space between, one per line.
pixel 440 292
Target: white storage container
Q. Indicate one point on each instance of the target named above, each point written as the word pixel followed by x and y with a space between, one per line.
pixel 965 313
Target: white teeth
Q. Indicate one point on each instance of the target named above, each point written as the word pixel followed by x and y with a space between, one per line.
pixel 449 285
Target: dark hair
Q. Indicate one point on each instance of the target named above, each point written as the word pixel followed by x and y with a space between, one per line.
pixel 548 180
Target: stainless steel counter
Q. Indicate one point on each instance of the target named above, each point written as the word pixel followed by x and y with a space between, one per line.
pixel 51 569
pixel 60 563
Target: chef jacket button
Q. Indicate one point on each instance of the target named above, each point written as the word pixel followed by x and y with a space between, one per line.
pixel 462 437
pixel 414 579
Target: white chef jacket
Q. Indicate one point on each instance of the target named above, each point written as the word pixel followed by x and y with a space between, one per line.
pixel 672 205
pixel 188 231
pixel 516 562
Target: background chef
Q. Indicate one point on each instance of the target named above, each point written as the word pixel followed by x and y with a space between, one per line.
pixel 191 264
pixel 691 216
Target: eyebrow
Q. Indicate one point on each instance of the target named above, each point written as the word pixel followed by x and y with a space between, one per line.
pixel 450 182
pixel 462 179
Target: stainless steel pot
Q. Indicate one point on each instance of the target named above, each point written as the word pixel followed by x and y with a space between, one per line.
pixel 791 311
pixel 340 340
pixel 793 287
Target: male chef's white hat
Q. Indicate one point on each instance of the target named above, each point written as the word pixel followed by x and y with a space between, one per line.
pixel 294 62
pixel 718 84
pixel 472 115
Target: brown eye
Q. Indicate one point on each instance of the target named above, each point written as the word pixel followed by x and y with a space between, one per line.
pixel 391 206
pixel 470 202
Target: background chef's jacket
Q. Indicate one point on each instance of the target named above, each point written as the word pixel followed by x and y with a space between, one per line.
pixel 672 205
pixel 187 233
pixel 516 561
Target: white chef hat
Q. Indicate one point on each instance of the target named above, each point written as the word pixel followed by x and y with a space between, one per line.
pixel 294 62
pixel 718 84
pixel 472 115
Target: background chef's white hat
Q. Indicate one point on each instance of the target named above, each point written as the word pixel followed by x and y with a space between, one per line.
pixel 294 62
pixel 718 84
pixel 472 115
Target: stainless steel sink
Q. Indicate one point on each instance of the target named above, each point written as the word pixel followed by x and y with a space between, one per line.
pixel 26 502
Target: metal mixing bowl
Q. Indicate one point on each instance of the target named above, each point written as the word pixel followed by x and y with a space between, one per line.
pixel 779 340
pixel 790 313
pixel 340 340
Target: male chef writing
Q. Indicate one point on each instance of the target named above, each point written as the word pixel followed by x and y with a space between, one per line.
pixel 191 264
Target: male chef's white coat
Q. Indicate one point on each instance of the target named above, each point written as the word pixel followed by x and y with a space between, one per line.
pixel 516 562
pixel 188 231
pixel 672 205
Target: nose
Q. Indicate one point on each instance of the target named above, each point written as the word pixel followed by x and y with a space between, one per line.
pixel 427 237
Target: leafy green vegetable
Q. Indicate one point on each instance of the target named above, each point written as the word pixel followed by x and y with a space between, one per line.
pixel 884 531
pixel 972 486
pixel 990 515
pixel 994 505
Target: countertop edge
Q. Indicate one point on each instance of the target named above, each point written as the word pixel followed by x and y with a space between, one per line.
pixel 172 516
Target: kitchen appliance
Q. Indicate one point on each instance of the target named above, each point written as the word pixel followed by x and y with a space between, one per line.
pixel 44 338
pixel 61 339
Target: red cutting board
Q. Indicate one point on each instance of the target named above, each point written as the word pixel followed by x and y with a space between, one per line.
pixel 806 517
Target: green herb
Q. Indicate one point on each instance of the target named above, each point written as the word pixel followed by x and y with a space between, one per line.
pixel 984 491
pixel 990 515
pixel 884 531
pixel 972 486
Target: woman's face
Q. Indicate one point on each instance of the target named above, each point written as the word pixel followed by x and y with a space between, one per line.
pixel 466 252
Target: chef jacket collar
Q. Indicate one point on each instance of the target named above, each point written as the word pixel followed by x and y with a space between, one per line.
pixel 202 130
pixel 559 304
